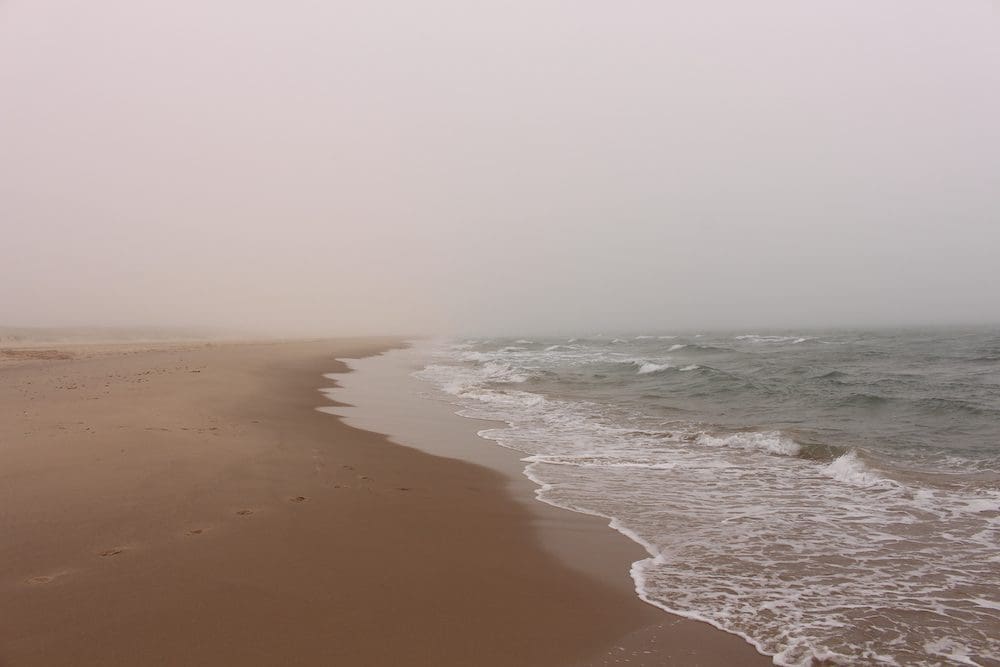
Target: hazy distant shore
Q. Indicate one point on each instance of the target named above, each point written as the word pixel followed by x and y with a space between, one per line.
pixel 16 337
pixel 186 504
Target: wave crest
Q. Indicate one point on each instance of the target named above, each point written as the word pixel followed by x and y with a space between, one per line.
pixel 770 442
pixel 647 367
pixel 850 469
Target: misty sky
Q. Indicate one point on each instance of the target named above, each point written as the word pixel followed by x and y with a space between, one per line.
pixel 382 167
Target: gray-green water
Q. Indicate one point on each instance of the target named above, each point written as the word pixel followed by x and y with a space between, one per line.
pixel 824 494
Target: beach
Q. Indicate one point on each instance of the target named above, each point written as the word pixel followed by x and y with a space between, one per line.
pixel 188 504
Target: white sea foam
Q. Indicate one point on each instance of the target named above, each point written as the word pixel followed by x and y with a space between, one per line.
pixel 954 652
pixel 647 367
pixel 988 604
pixel 600 461
pixel 691 367
pixel 850 469
pixel 771 442
pixel 471 381
pixel 756 338
pixel 678 346
pixel 477 356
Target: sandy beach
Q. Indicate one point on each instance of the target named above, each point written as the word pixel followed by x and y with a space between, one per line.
pixel 186 504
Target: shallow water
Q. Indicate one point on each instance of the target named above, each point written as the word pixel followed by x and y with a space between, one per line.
pixel 826 495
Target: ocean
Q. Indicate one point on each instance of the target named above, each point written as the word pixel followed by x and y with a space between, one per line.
pixel 827 495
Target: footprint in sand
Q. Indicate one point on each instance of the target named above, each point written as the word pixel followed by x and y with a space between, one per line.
pixel 298 499
pixel 111 552
pixel 244 512
pixel 196 531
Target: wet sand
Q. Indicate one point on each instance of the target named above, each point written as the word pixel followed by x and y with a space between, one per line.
pixel 187 504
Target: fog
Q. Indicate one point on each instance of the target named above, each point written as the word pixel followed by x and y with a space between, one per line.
pixel 412 167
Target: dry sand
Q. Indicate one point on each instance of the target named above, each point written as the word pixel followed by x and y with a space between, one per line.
pixel 186 504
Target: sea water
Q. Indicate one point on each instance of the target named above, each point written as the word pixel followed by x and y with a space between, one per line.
pixel 827 495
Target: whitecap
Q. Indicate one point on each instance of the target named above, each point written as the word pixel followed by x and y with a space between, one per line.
pixel 650 367
pixel 850 469
pixel 769 442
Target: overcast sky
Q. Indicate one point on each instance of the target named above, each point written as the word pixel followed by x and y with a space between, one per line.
pixel 382 167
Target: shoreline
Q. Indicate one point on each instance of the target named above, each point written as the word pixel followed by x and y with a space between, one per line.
pixel 188 504
pixel 383 397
